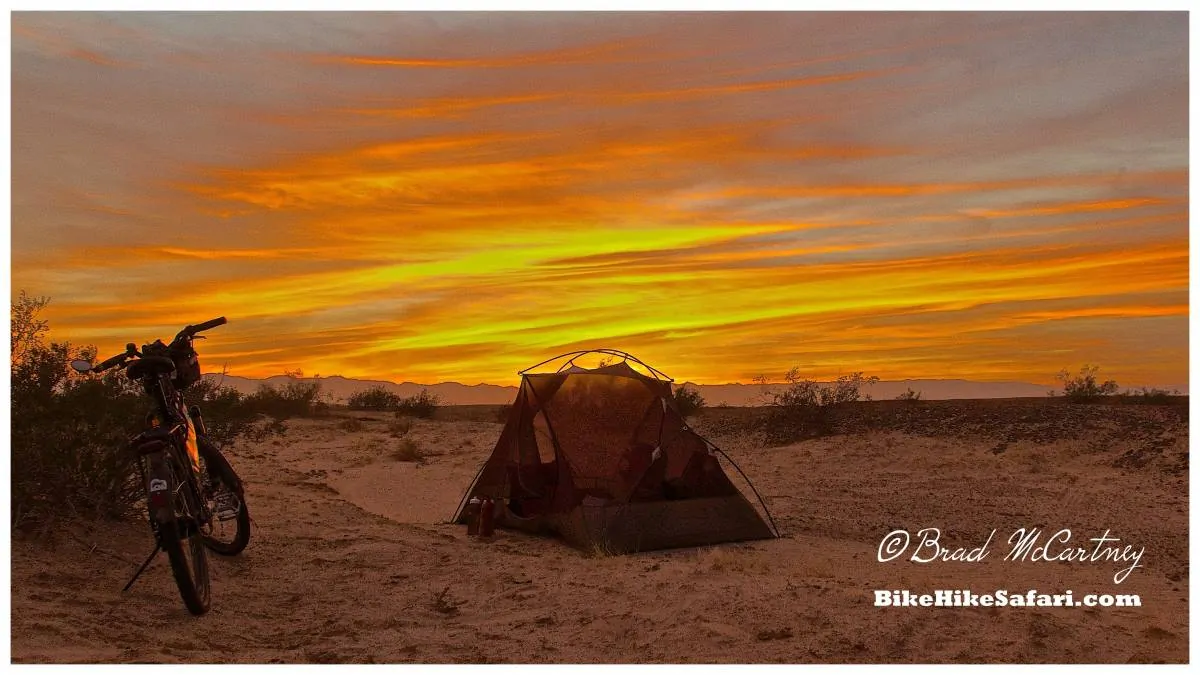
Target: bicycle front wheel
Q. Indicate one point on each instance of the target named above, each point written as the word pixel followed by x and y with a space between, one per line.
pixel 176 517
pixel 229 531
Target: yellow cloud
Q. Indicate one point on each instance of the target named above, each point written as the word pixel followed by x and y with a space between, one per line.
pixel 721 213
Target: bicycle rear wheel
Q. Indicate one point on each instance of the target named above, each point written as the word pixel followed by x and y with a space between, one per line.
pixel 175 515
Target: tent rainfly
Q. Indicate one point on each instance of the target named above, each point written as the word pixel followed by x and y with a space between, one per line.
pixel 602 457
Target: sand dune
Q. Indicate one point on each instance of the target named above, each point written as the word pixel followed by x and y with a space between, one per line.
pixel 351 560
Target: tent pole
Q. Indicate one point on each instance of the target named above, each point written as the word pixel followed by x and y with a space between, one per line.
pixel 752 488
pixel 463 501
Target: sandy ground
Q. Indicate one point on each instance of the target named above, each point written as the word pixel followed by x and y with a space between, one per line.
pixel 351 560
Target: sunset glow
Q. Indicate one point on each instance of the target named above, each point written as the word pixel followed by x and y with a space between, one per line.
pixel 452 197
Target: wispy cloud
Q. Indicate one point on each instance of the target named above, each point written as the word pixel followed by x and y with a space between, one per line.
pixel 977 196
pixel 616 51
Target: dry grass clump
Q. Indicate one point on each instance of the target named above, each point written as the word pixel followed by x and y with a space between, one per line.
pixel 408 451
pixel 444 603
pixel 601 548
pixel 400 427
pixel 367 445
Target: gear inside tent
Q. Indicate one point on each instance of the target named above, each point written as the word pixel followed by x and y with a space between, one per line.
pixel 601 457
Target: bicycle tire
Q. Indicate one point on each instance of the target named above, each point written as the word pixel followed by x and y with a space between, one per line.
pixel 221 469
pixel 185 550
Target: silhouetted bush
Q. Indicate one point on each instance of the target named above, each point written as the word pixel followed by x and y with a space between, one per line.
pixel 1082 386
pixel 1150 396
pixel 375 398
pixel 296 398
pixel 227 413
pixel 688 401
pixel 69 434
pixel 422 405
pixel 808 409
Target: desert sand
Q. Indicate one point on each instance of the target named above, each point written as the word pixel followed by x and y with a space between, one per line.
pixel 351 559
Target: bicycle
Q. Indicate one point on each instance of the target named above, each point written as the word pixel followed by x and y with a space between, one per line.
pixel 192 492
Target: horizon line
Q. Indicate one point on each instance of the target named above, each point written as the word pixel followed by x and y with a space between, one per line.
pixel 318 376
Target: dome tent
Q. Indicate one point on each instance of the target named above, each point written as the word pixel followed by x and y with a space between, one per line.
pixel 602 457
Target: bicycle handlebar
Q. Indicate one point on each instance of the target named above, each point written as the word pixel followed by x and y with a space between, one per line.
pixel 131 349
pixel 109 363
pixel 201 327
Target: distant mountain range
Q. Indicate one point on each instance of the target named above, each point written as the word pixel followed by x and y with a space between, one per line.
pixel 341 388
pixel 452 393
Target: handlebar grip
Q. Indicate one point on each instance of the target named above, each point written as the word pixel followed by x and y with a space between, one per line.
pixel 211 323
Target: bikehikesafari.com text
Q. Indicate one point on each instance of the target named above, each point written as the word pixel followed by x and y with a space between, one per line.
pixel 1002 598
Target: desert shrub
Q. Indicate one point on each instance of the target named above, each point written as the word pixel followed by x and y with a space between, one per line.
pixel 1150 396
pixel 444 604
pixel 351 424
pixel 909 395
pixel 1083 386
pixel 807 409
pixel 68 433
pixel 375 398
pixel 400 426
pixel 265 428
pixel 296 398
pixel 422 405
pixel 227 413
pixel 408 451
pixel 688 401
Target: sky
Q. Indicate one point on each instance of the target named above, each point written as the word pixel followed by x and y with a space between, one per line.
pixel 456 196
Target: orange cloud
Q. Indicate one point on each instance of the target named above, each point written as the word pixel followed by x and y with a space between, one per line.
pixel 456 215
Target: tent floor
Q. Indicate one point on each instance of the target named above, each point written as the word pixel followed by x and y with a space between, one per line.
pixel 647 526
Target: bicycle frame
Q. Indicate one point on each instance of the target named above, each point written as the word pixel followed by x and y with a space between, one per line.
pixel 171 433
